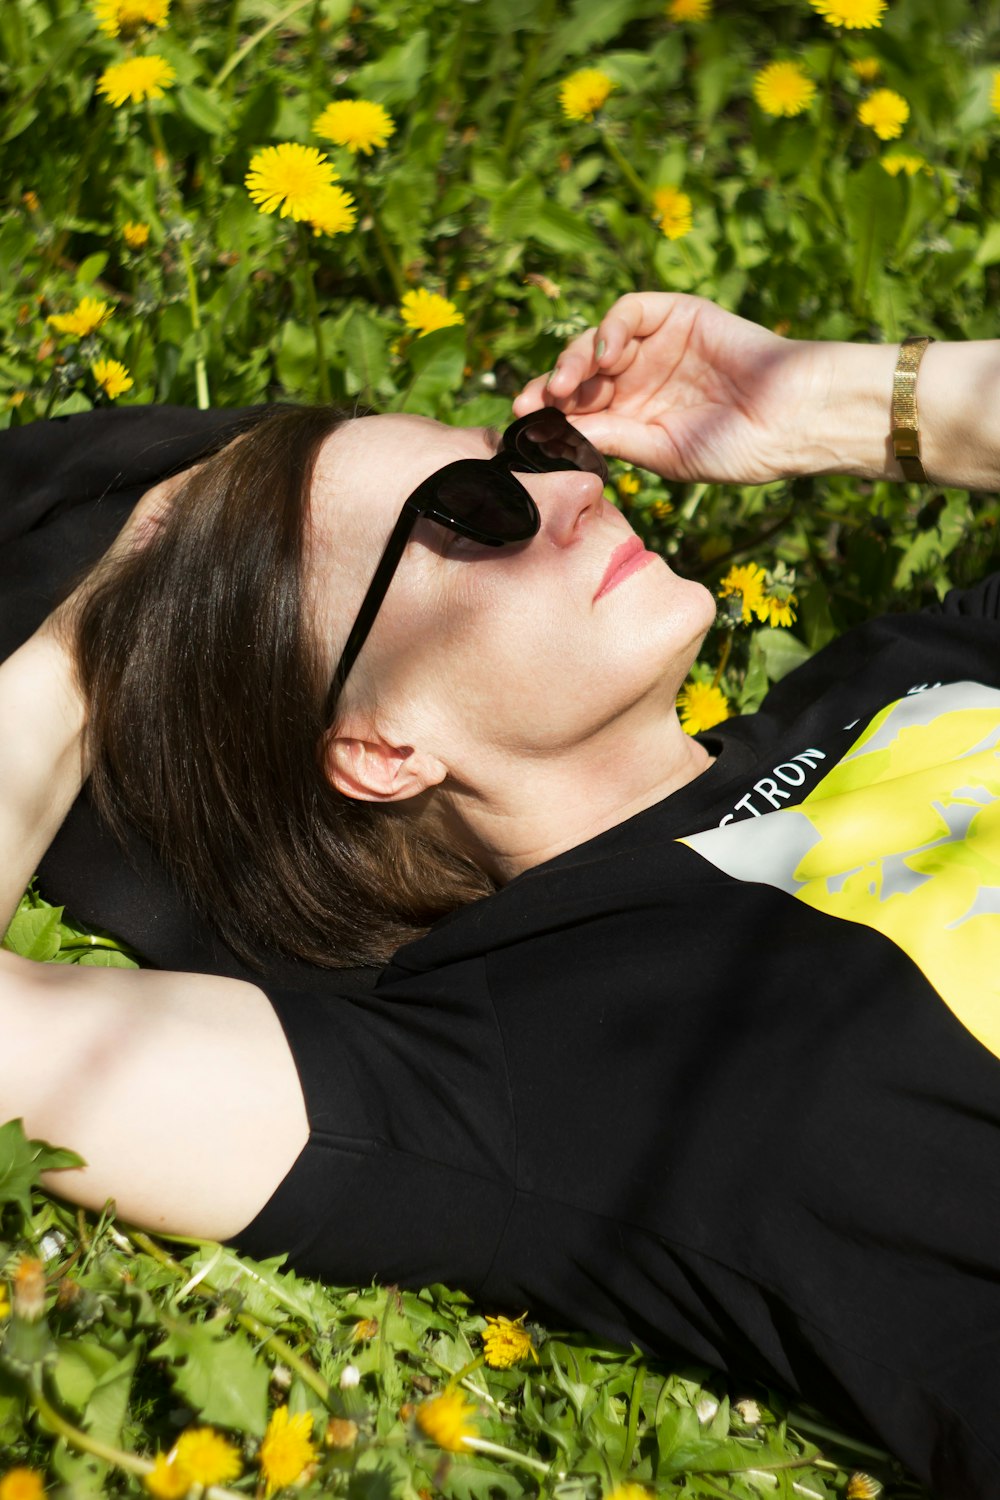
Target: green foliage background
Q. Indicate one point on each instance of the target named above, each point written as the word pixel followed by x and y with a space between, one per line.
pixel 532 224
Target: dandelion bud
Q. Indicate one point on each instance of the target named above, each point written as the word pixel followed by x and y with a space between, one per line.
pixel 863 1487
pixel 706 1408
pixel 29 1289
pixel 52 1244
pixel 340 1433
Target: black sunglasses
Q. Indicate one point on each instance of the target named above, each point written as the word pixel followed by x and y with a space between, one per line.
pixel 480 499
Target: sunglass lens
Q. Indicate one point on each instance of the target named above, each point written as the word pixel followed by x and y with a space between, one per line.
pixel 488 502
pixel 547 438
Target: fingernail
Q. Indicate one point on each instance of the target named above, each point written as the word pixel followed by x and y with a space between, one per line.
pixel 600 348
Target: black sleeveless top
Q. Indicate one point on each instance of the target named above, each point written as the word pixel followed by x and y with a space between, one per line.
pixel 724 1080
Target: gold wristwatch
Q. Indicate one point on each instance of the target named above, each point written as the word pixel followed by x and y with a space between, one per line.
pixel 905 421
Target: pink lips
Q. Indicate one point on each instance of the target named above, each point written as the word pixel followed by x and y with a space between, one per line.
pixel 625 560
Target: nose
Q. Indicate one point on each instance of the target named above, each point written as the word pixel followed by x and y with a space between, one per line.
pixel 567 499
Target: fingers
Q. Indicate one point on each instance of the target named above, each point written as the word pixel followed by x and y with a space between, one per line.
pixel 570 385
pixel 608 349
pixel 621 437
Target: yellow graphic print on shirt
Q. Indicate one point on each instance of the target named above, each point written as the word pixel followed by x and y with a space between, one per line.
pixel 903 835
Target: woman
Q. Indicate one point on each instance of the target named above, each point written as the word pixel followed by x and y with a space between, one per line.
pixel 684 1077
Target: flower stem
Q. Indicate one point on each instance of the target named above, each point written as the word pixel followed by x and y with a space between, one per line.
pixel 287 1355
pixel 313 308
pixel 826 110
pixel 84 1443
pixel 166 176
pixel 529 71
pixel 366 267
pixel 459 1375
pixel 232 27
pixel 385 249
pixel 830 1435
pixel 727 646
pixel 626 168
pixel 278 1345
pixel 483 1445
pixel 317 68
pixel 253 41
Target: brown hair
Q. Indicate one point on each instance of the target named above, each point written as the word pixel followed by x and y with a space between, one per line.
pixel 206 693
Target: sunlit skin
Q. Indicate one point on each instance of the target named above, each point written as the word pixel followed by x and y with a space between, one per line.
pixel 496 695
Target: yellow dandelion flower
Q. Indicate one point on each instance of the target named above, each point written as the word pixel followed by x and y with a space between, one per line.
pixel 31 200
pixel 447 1421
pixel 866 68
pixel 22 1484
pixel 364 1329
pixel 628 485
pixel 204 1456
pixel 166 1481
pixel 357 124
pixel 701 705
pixel 288 178
pixel 112 377
pixel 583 93
pixel 13 400
pixel 783 88
pixel 886 112
pixel 672 212
pixel 425 312
pixel 628 1492
pixel 661 509
pixel 689 10
pixel 863 1487
pixel 287 1448
pixel 135 235
pixel 137 78
pixel 747 581
pixel 909 162
pixel 995 92
pixel 855 15
pixel 771 610
pixel 116 17
pixel 87 317
pixel 506 1343
pixel 332 211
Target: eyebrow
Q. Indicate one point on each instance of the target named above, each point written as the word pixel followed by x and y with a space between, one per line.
pixel 493 437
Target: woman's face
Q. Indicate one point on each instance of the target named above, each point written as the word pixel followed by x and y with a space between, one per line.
pixel 523 650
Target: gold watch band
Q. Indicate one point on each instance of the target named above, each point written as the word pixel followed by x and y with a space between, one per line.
pixel 905 419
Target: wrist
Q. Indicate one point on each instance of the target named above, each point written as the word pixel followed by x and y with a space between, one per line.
pixel 846 411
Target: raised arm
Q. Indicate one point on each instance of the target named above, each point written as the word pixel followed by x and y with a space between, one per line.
pixel 680 386
pixel 178 1090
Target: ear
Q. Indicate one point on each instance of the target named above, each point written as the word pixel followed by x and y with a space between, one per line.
pixel 371 770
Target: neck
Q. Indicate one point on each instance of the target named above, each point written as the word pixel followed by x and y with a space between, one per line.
pixel 538 808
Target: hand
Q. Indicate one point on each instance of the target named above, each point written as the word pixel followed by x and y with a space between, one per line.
pixel 687 390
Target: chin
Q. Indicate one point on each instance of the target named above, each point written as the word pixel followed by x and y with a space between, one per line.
pixel 688 611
